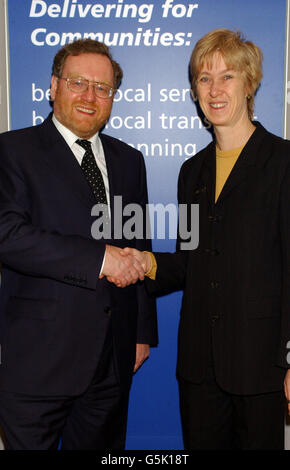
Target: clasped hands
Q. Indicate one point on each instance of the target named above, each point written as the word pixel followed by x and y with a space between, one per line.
pixel 125 266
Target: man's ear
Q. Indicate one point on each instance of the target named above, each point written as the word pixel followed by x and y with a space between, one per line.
pixel 53 87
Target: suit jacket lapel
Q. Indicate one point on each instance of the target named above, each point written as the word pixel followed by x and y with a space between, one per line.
pixel 58 156
pixel 209 173
pixel 254 153
pixel 198 179
pixel 237 175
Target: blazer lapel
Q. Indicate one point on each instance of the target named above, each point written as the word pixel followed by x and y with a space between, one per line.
pixel 252 154
pixel 237 175
pixel 58 156
pixel 209 173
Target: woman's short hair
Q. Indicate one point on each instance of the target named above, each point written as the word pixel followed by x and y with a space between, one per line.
pixel 84 46
pixel 238 54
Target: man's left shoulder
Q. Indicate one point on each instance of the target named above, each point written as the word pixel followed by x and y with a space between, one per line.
pixel 119 146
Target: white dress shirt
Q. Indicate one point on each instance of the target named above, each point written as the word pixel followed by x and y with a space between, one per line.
pixel 79 152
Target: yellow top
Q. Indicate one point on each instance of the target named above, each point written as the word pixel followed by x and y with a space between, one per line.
pixel 225 160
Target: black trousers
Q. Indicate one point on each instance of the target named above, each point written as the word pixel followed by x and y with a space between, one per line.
pixel 213 419
pixel 95 420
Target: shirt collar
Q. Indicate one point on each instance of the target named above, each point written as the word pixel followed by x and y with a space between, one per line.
pixel 69 136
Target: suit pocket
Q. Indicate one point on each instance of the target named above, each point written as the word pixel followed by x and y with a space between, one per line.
pixel 264 307
pixel 36 309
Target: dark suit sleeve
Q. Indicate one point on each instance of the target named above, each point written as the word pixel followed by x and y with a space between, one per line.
pixel 171 267
pixel 147 316
pixel 284 352
pixel 32 250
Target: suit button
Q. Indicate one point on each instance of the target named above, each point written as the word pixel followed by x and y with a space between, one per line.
pixel 108 311
pixel 214 318
pixel 214 284
pixel 200 190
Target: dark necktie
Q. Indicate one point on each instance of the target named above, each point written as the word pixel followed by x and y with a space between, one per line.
pixel 92 172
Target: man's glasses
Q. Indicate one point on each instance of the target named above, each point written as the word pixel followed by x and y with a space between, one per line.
pixel 80 85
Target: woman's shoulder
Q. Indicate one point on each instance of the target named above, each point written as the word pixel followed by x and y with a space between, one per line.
pixel 198 158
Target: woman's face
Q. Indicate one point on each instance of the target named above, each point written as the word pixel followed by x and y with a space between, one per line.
pixel 222 94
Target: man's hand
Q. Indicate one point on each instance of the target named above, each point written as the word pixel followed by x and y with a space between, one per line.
pixel 122 269
pixel 287 388
pixel 142 353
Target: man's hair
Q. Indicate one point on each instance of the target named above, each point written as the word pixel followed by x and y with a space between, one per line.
pixel 238 54
pixel 84 46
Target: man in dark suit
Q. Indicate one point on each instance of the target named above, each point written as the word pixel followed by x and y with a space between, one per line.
pixel 68 336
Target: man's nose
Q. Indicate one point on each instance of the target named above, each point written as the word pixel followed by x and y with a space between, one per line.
pixel 89 93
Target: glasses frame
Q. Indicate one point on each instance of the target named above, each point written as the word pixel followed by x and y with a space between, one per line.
pixel 111 90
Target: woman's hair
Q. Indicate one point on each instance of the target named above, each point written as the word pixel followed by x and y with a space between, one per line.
pixel 84 46
pixel 238 54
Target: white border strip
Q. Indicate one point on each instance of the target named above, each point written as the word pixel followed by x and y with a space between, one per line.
pixel 7 64
pixel 286 73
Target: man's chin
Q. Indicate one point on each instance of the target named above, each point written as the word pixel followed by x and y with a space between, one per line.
pixel 85 132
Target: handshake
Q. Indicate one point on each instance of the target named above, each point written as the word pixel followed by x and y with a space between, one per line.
pixel 125 266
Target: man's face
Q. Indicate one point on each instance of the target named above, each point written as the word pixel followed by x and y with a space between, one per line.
pixel 83 113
